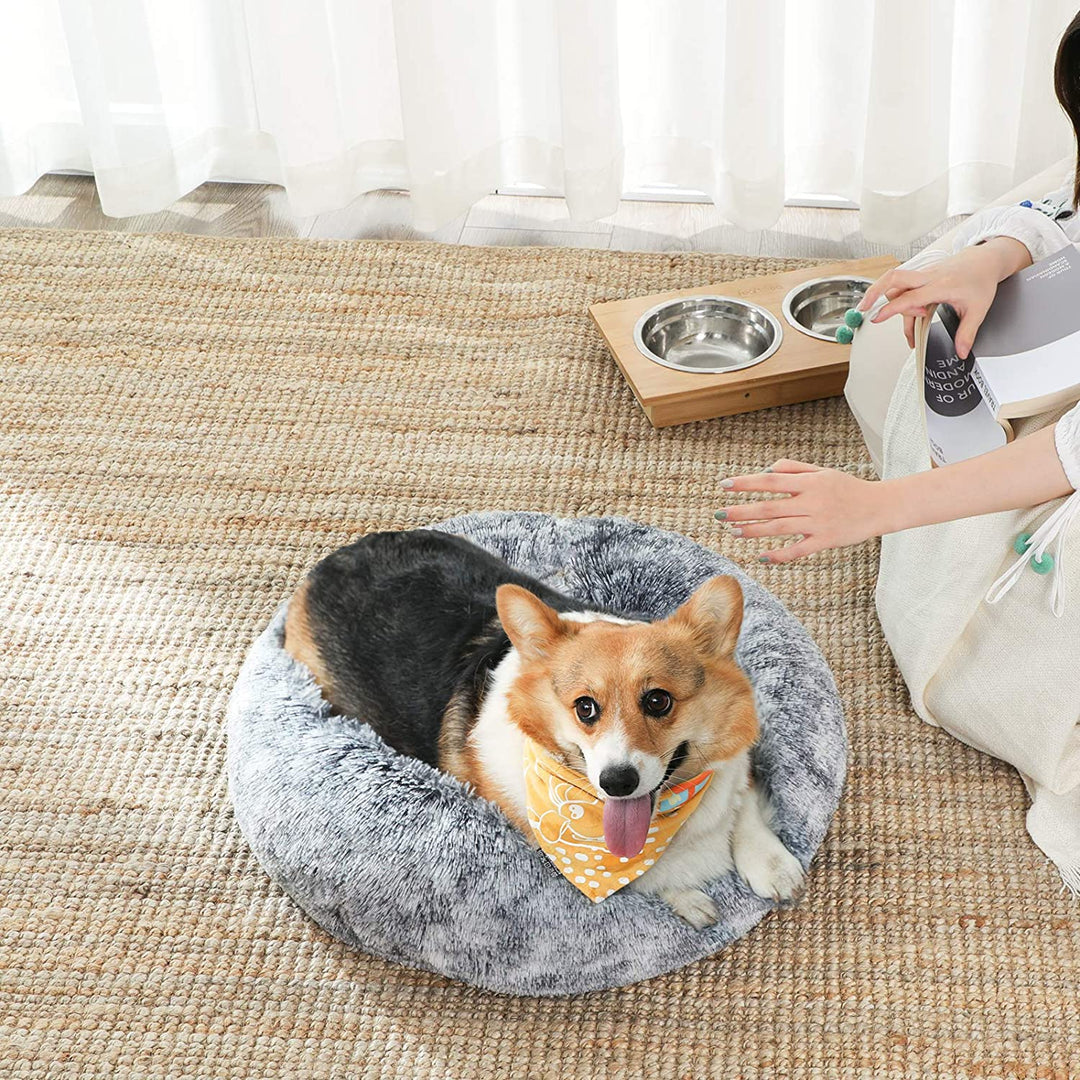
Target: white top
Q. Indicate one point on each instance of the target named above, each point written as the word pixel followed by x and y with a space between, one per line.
pixel 1044 227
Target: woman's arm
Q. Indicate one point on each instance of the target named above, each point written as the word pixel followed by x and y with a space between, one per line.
pixel 834 509
pixel 989 246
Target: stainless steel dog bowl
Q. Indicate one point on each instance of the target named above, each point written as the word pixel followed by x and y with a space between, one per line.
pixel 707 334
pixel 817 307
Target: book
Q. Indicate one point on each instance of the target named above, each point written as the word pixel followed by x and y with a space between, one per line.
pixel 1025 360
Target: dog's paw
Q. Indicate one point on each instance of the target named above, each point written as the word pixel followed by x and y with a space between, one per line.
pixel 772 871
pixel 693 906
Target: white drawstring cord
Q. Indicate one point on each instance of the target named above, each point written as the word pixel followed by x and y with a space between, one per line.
pixel 1055 527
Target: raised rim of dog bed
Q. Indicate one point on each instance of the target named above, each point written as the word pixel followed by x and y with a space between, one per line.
pixel 400 861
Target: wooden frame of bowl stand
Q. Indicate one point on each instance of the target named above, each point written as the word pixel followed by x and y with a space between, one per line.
pixel 802 369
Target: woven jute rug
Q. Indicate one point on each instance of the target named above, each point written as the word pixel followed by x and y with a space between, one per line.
pixel 185 426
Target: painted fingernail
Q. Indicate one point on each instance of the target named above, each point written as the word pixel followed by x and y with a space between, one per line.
pixel 769 469
pixel 736 532
pixel 720 515
pixel 727 483
pixel 764 558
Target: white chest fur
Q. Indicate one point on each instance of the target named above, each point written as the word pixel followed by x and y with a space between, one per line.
pixel 498 745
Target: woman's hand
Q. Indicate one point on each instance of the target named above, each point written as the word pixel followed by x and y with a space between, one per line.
pixel 827 507
pixel 967 281
pixel 833 509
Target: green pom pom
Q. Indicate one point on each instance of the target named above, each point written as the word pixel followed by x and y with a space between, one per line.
pixel 1022 543
pixel 844 334
pixel 853 318
pixel 1043 565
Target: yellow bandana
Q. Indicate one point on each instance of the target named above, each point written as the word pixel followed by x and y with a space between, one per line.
pixel 567 817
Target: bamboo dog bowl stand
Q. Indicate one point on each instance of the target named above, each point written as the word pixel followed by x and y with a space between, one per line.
pixel 801 369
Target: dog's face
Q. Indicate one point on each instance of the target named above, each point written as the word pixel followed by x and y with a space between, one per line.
pixel 633 706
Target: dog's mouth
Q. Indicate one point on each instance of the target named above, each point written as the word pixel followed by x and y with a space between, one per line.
pixel 682 751
pixel 626 821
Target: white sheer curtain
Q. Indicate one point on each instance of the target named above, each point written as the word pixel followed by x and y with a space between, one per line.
pixel 915 109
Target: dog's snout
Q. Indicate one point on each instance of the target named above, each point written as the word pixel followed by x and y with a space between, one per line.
pixel 619 780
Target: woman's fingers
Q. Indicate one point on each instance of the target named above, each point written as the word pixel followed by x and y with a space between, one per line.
pixel 970 322
pixel 909 324
pixel 784 526
pixel 786 483
pixel 786 465
pixel 894 280
pixel 909 302
pixel 759 511
pixel 876 290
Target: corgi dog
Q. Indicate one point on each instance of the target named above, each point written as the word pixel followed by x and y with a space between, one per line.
pixel 455 658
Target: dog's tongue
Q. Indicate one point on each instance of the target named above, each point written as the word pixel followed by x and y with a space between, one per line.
pixel 626 824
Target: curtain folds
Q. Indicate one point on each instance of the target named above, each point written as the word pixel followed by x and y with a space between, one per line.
pixel 915 111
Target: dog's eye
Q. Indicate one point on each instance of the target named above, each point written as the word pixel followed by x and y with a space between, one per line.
pixel 588 711
pixel 657 703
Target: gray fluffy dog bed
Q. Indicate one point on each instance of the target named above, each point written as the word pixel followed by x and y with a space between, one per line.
pixel 400 861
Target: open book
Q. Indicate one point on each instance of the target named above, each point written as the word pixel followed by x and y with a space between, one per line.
pixel 1025 360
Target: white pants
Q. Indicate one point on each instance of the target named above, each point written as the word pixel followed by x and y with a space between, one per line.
pixel 1002 678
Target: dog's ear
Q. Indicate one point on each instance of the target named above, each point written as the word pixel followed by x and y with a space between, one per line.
pixel 532 627
pixel 713 614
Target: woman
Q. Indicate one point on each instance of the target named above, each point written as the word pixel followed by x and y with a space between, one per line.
pixel 1004 675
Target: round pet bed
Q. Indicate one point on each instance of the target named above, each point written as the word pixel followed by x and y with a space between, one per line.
pixel 400 861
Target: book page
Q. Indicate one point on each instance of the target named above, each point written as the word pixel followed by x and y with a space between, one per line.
pixel 1022 384
pixel 1028 348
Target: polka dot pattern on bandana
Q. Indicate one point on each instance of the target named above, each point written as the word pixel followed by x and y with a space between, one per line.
pixel 567 818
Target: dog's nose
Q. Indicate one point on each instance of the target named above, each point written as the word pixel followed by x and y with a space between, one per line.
pixel 619 779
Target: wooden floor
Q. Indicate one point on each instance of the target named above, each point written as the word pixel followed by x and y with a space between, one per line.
pixel 263 210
